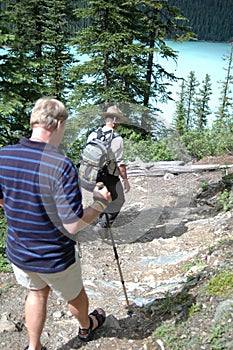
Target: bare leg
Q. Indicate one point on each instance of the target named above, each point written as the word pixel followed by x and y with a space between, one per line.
pixel 79 308
pixel 35 315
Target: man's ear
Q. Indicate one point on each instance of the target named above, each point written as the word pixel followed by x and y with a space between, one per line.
pixel 60 123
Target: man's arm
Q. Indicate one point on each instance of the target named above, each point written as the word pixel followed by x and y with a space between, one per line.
pixel 123 175
pixel 101 198
pixel 117 147
pixel 1 203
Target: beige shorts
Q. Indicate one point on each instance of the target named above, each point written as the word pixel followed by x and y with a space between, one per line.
pixel 66 284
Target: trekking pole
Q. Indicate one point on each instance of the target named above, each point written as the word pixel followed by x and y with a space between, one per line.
pixel 130 311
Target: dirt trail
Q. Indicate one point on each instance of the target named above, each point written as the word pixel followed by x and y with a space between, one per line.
pixel 160 228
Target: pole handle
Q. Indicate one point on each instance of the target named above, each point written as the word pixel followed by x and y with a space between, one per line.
pixel 100 185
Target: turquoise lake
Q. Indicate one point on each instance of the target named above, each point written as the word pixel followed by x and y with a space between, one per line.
pixel 202 58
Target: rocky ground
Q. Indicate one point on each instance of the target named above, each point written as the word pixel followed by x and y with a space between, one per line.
pixel 172 237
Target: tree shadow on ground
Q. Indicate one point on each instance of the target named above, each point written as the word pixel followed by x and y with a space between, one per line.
pixel 141 226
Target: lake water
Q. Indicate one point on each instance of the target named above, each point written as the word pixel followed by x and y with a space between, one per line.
pixel 202 58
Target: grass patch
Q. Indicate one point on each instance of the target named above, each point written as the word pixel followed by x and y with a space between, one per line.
pixel 217 338
pixel 174 304
pixel 175 337
pixel 195 307
pixel 187 321
pixel 194 262
pixel 179 337
pixel 221 284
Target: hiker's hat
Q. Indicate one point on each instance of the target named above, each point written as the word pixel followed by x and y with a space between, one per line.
pixel 114 112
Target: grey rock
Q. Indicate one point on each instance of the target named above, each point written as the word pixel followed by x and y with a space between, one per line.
pixel 112 322
pixel 224 311
pixel 6 325
pixel 58 314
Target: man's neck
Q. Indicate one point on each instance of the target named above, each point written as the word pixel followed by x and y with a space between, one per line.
pixel 40 134
pixel 110 125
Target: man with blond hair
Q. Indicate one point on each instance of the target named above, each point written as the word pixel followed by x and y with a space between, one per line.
pixel 43 205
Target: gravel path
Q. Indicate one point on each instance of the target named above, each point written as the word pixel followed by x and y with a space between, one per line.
pixel 160 229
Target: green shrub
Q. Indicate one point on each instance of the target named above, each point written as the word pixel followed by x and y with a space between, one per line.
pixel 221 284
pixel 225 201
pixel 199 144
pixel 147 150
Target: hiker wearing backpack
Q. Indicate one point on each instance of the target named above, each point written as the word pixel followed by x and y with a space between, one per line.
pixel 113 174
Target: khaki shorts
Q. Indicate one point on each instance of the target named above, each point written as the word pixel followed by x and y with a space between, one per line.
pixel 66 284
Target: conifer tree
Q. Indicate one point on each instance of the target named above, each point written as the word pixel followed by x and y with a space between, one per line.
pixel 35 63
pixel 190 91
pixel 56 54
pixel 211 20
pixel 121 43
pixel 179 120
pixel 202 109
pixel 224 115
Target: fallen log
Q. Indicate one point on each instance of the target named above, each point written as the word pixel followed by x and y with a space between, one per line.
pixel 161 168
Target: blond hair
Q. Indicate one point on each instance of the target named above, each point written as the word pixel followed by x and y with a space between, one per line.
pixel 47 112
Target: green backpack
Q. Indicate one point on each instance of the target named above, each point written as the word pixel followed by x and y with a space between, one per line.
pixel 94 159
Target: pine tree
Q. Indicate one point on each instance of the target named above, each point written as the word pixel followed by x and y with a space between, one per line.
pixel 202 109
pixel 211 20
pixel 158 22
pixel 35 63
pixel 179 120
pixel 190 91
pixel 224 116
pixel 56 54
pixel 121 43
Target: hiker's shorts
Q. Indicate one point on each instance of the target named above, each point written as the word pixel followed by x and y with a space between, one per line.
pixel 66 284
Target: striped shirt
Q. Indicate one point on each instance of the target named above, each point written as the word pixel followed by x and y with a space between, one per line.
pixel 40 189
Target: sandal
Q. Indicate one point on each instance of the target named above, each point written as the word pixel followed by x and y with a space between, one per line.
pixel 86 334
pixel 43 348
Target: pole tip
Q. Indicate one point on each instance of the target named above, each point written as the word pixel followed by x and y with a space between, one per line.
pixel 130 312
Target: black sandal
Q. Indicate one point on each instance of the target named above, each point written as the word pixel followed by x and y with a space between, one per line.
pixel 86 334
pixel 43 348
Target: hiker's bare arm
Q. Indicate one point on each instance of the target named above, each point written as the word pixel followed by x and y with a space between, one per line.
pixel 101 197
pixel 123 174
pixel 1 203
pixel 122 171
pixel 89 215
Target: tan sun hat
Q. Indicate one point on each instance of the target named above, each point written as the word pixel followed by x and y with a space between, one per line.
pixel 115 112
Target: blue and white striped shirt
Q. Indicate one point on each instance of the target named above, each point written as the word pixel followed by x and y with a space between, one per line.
pixel 40 189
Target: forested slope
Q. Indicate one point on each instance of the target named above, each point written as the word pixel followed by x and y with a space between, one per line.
pixel 211 20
